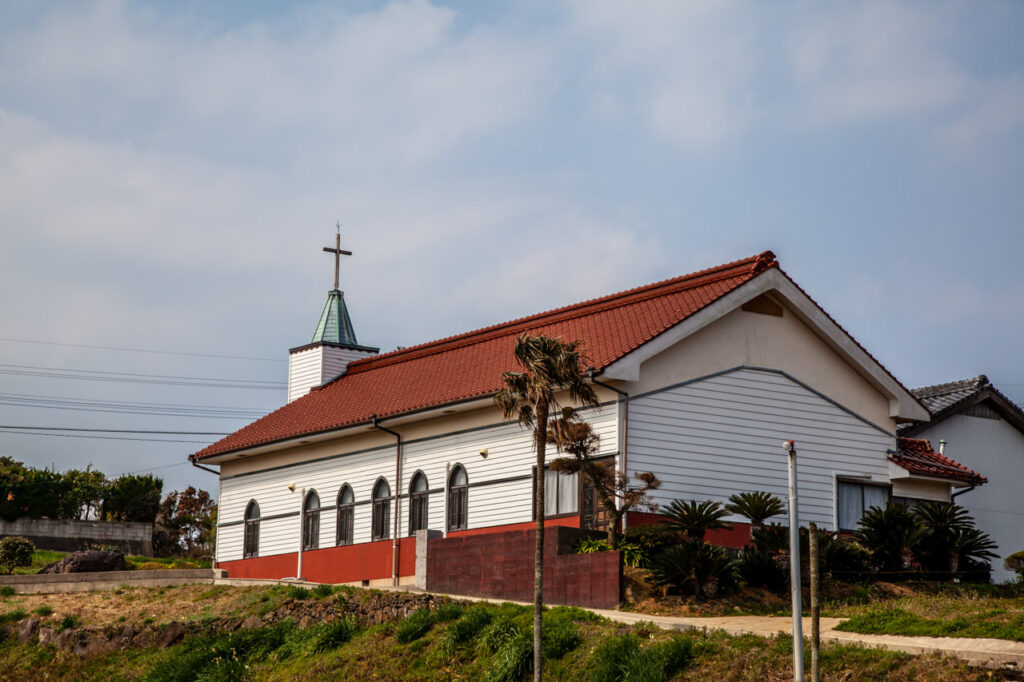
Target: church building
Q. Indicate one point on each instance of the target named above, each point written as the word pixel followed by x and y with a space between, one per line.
pixel 701 378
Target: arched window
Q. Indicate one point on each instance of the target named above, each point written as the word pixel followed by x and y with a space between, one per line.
pixel 346 515
pixel 458 499
pixel 311 521
pixel 418 498
pixel 251 543
pixel 381 509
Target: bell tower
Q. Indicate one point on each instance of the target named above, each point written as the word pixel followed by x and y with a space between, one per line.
pixel 334 342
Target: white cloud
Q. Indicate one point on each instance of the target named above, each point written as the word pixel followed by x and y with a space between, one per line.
pixel 399 84
pixel 690 65
pixel 870 61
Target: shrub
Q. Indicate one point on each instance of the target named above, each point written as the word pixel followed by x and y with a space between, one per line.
pixel 323 590
pixel 756 506
pixel 621 658
pixel 513 659
pixel 15 552
pixel 760 569
pixel 501 630
pixel 1015 563
pixel 610 654
pixel 415 625
pixel 447 611
pixel 297 592
pixel 653 537
pixel 890 535
pixel 696 567
pixel 12 616
pixel 559 635
pixel 592 545
pixel 6 591
pixel 70 622
pixel 151 566
pixel 695 518
pixel 469 624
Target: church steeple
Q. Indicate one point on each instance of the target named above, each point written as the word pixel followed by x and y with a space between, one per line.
pixel 335 326
pixel 334 342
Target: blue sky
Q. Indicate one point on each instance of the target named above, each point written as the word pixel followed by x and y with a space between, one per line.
pixel 169 172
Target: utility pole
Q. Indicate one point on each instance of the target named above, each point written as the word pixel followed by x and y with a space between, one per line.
pixel 794 566
pixel 812 540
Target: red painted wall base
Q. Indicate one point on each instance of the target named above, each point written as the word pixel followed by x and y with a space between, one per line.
pixel 351 563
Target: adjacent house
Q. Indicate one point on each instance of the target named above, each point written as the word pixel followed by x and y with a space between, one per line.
pixel 701 378
pixel 979 426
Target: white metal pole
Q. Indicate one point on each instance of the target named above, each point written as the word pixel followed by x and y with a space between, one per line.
pixel 302 540
pixel 794 566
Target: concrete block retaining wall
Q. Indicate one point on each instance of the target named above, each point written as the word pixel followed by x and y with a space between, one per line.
pixel 65 535
pixel 500 566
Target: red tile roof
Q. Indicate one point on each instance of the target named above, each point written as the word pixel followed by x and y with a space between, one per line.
pixel 470 365
pixel 916 456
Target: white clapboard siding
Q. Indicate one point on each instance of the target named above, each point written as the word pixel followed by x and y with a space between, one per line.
pixel 304 371
pixel 510 454
pixel 722 435
pixel 317 365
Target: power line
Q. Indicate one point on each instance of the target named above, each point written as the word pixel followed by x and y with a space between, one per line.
pixel 129 407
pixel 128 377
pixel 143 350
pixel 73 428
pixel 72 435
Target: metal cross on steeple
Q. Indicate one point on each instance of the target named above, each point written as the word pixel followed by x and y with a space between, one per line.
pixel 338 253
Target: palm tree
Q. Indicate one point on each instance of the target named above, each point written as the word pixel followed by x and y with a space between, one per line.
pixel 695 518
pixel 549 367
pixel 890 534
pixel 756 506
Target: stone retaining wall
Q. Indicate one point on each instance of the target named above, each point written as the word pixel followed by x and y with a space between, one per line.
pixel 107 580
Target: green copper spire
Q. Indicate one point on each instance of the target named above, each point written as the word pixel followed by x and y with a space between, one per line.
pixel 335 325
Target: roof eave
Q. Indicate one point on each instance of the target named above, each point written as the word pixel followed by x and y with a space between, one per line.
pixel 902 403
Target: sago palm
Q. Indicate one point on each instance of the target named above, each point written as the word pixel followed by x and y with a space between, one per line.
pixel 756 506
pixel 695 518
pixel 549 367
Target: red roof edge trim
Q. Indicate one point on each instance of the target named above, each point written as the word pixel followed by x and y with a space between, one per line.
pixel 748 266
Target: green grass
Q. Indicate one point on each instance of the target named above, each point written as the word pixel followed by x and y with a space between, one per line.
pixel 895 621
pixel 460 641
pixel 40 558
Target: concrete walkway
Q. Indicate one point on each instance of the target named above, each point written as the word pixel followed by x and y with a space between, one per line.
pixel 988 653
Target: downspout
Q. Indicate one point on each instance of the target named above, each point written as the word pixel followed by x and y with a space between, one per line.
pixel 302 532
pixel 192 458
pixel 398 484
pixel 961 492
pixel 592 374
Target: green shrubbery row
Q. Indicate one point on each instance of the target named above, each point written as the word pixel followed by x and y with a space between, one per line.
pixel 932 540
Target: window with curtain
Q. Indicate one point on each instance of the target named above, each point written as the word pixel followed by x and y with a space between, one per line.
pixel 311 521
pixel 418 498
pixel 346 515
pixel 561 493
pixel 381 510
pixel 458 499
pixel 855 498
pixel 251 542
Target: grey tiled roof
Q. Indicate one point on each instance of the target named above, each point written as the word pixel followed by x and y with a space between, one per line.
pixel 941 396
